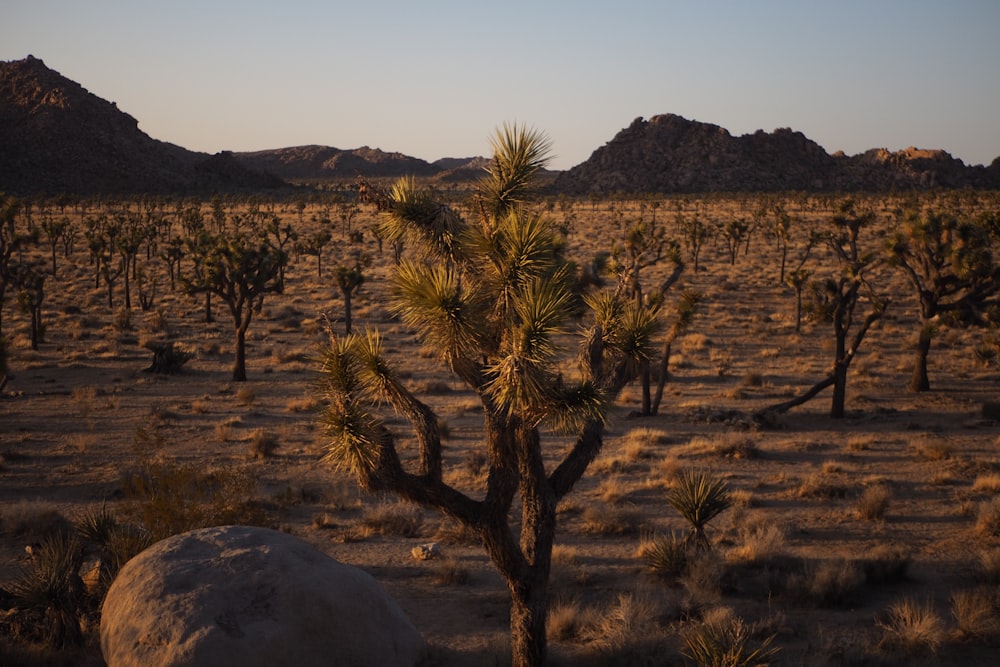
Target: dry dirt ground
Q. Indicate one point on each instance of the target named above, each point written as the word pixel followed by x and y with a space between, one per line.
pixel 794 557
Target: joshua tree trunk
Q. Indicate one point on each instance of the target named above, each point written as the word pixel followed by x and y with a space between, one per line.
pixel 920 381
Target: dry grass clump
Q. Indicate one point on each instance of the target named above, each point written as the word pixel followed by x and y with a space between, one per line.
pixel 988 518
pixel 666 555
pixel 603 520
pixel 263 444
pixel 302 404
pixel 449 572
pixel 731 445
pixel 725 639
pixel 975 614
pixel 224 429
pixel 246 396
pixel 988 483
pixel 820 485
pixel 911 628
pixel 398 519
pixel 613 490
pixel 31 519
pixel 860 443
pixel 569 620
pixel 639 443
pixel 829 583
pixel 933 449
pixel 874 502
pixel 630 631
pixel 886 564
pixel 760 540
pixel 989 566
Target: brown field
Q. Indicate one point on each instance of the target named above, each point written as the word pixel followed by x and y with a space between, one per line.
pixel 844 534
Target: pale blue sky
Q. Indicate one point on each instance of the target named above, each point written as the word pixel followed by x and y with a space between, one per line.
pixel 434 79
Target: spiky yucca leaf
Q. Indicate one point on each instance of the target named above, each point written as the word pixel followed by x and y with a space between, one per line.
pixel 354 439
pixel 415 216
pixel 699 496
pixel 727 644
pixel 518 155
pixel 540 310
pixel 448 312
pixel 577 405
pixel 338 366
pixel 520 386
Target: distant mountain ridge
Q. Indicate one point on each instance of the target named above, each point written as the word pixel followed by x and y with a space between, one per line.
pixel 56 137
pixel 669 153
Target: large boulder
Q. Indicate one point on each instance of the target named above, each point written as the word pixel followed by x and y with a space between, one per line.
pixel 244 596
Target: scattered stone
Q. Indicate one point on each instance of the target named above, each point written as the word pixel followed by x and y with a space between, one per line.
pixel 427 551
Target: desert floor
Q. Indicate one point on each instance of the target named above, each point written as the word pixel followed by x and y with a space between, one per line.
pixel 794 557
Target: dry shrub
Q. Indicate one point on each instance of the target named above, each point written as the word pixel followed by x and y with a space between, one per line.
pixel 449 572
pixel 224 429
pixel 819 485
pixel 933 449
pixel 612 490
pixel 975 614
pixel 630 631
pixel 989 566
pixel 604 520
pixel 704 578
pixel 753 379
pixel 886 564
pixel 199 406
pixel 564 554
pixel 263 444
pixel 397 519
pixel 570 621
pixel 988 518
pixel 911 629
pixel 725 639
pixel 639 443
pixel 32 519
pixel 246 396
pixel 167 497
pixel 303 404
pixel 760 540
pixel 666 555
pixel 860 443
pixel 988 483
pixel 829 583
pixel 455 532
pixel 874 502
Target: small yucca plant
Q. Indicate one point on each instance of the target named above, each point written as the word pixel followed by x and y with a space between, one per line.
pixel 727 644
pixel 52 589
pixel 699 496
pixel 666 555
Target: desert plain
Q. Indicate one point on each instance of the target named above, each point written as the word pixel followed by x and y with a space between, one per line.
pixel 838 527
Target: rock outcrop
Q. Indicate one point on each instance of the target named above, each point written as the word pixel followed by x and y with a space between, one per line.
pixel 57 137
pixel 247 597
pixel 669 153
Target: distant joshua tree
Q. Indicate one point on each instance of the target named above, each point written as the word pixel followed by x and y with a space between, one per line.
pixel 489 296
pixel 240 267
pixel 842 300
pixel 948 261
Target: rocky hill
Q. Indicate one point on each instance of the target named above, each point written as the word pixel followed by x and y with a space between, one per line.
pixel 56 137
pixel 312 164
pixel 669 153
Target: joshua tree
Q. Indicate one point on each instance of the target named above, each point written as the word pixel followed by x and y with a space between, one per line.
pixel 30 279
pixel 313 245
pixel 490 297
pixel 949 263
pixel 54 231
pixel 239 267
pixel 349 279
pixel 837 300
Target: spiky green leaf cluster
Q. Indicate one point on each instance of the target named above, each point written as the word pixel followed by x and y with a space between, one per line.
pixel 699 496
